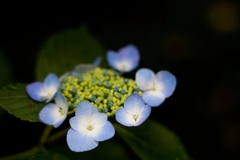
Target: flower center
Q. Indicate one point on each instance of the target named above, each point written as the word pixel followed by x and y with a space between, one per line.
pixel 46 96
pixel 104 88
pixel 123 67
pixel 153 88
pixel 135 117
pixel 90 128
pixel 62 111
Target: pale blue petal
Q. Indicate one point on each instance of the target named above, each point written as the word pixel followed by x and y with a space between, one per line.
pixel 145 79
pixel 51 84
pixel 166 82
pixel 153 98
pixel 125 60
pixel 129 52
pixel 112 59
pixel 124 117
pixel 130 55
pixel 104 133
pixel 50 115
pixel 124 65
pixel 64 75
pixel 61 101
pixel 79 142
pixel 36 91
pixel 75 123
pixel 81 69
pixel 97 61
pixel 143 116
pixel 134 104
pixel 85 108
pixel 58 123
pixel 99 120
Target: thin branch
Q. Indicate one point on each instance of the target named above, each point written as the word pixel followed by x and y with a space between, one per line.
pixel 24 154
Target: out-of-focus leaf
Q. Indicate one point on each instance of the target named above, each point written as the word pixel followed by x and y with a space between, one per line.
pixel 5 74
pixel 65 50
pixel 49 156
pixel 5 71
pixel 15 100
pixel 111 149
pixel 152 140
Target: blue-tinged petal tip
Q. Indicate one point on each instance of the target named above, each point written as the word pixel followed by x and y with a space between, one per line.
pixel 166 82
pixel 37 91
pixel 125 60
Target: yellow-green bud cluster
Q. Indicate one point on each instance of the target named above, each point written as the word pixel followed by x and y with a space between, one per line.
pixel 104 88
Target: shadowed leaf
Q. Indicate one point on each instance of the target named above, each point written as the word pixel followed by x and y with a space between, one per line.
pixel 67 49
pixel 15 100
pixel 152 140
pixel 5 70
pixel 49 156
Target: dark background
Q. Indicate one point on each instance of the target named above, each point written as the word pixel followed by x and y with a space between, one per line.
pixel 198 41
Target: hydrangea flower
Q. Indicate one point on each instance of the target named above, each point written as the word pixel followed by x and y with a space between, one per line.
pixel 88 127
pixel 55 114
pixel 134 112
pixel 125 60
pixel 44 91
pixel 156 87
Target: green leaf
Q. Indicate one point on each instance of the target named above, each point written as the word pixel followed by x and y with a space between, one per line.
pixel 153 141
pixel 16 101
pixel 6 74
pixel 49 156
pixel 64 50
pixel 5 71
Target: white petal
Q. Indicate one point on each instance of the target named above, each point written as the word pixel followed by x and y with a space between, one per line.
pixel 124 65
pixel 153 98
pixel 86 109
pixel 134 104
pixel 143 116
pixel 125 60
pixel 145 79
pixel 128 120
pixel 61 101
pixel 103 133
pixel 51 115
pixel 51 84
pixel 79 142
pixel 165 83
pixel 124 117
pixel 99 120
pixel 129 52
pixel 112 58
pixel 75 123
pixel 37 91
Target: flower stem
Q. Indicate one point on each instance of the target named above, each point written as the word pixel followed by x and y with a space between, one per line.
pixel 72 111
pixel 57 135
pixel 45 138
pixel 45 134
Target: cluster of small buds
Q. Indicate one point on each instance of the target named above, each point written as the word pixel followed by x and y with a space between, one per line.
pixel 104 88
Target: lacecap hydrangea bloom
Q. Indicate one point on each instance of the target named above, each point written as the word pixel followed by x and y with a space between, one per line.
pixel 96 93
